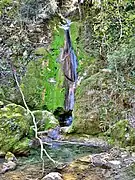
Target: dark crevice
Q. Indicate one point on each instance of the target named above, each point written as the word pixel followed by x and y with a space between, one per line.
pixel 65 117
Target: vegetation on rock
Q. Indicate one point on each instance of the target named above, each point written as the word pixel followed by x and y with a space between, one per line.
pixel 45 120
pixel 14 126
pixel 122 134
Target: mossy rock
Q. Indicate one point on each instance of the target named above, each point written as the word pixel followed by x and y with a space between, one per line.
pixel 100 102
pixel 87 112
pixel 31 84
pixel 45 120
pixel 86 123
pixel 22 147
pixel 121 133
pixel 14 125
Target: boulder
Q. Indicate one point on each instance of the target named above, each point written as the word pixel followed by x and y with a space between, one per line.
pixel 100 104
pixel 14 126
pixel 45 120
pixel 88 105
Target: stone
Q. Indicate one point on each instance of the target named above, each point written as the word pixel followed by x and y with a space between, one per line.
pixel 14 126
pixel 9 166
pixel 88 104
pixel 115 163
pixel 64 130
pixel 10 157
pixel 53 176
pixel 40 10
pixel 45 120
pixel 54 133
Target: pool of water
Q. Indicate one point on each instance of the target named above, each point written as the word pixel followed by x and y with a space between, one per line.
pixel 64 153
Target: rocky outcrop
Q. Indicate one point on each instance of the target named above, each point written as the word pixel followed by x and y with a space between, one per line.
pixel 18 39
pixel 38 10
pixel 25 27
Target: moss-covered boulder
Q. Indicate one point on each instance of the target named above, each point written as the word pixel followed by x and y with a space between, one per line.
pixel 88 106
pixel 121 133
pixel 45 120
pixel 100 102
pixel 14 126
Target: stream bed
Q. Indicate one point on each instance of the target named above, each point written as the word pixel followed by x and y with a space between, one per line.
pixel 79 166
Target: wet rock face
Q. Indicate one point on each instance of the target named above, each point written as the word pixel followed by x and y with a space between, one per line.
pixel 14 125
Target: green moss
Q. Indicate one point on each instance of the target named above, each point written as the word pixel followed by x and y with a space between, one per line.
pixel 45 120
pixel 32 84
pixel 3 4
pixel 40 51
pixel 21 147
pixel 43 82
pixel 88 107
pixel 2 96
pixel 121 133
pixel 14 125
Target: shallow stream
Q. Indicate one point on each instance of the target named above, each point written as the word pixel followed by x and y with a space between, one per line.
pixel 30 168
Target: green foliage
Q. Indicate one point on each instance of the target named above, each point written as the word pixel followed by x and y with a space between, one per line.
pixel 108 24
pixel 122 60
pixel 9 8
pixel 3 4
pixel 107 37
